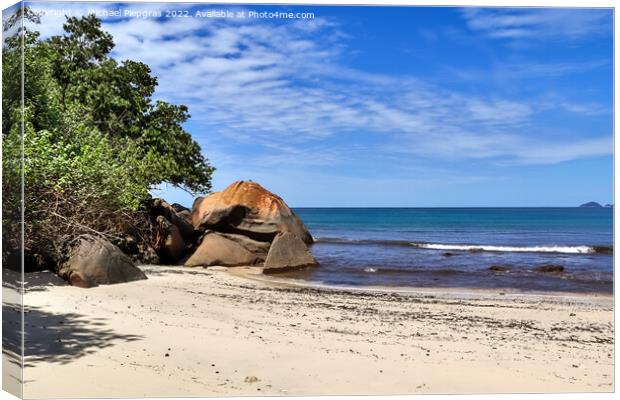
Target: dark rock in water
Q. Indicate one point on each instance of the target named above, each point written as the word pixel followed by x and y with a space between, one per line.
pixel 216 249
pixel 449 254
pixel 248 209
pixel 94 261
pixel 591 204
pixel 288 251
pixel 168 241
pixel 500 268
pixel 549 268
pixel 603 249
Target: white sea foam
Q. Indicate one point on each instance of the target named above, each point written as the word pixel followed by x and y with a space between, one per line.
pixel 517 249
pixel 370 270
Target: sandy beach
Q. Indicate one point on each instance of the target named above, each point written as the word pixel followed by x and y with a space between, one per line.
pixel 207 332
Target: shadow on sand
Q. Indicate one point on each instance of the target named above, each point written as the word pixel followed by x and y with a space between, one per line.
pixel 32 281
pixel 56 338
pixel 51 337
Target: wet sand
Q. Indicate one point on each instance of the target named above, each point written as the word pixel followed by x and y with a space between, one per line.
pixel 206 332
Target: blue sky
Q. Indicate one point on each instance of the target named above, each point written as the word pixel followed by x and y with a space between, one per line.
pixel 388 106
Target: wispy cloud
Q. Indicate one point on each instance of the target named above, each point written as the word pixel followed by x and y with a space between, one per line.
pixel 285 88
pixel 510 71
pixel 506 149
pixel 536 24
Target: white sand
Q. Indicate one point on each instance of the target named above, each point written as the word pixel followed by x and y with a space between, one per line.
pixel 198 332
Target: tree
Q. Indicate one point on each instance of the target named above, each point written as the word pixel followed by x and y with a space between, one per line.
pixel 94 141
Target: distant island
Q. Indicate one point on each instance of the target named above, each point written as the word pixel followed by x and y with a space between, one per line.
pixel 594 204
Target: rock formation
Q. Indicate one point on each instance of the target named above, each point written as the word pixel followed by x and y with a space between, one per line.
pixel 248 209
pixel 288 251
pixel 94 261
pixel 245 224
pixel 215 249
pixel 174 233
pixel 169 242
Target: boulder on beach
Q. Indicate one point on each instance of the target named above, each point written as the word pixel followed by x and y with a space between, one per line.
pixel 248 209
pixel 546 268
pixel 169 242
pixel 215 249
pixel 177 215
pixel 288 251
pixel 258 248
pixel 94 261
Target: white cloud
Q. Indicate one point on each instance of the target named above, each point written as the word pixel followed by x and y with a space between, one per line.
pixel 556 152
pixel 7 15
pixel 511 71
pixel 535 24
pixel 507 149
pixel 284 87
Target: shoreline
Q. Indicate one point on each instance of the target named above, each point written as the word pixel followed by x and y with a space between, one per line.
pixel 253 273
pixel 209 332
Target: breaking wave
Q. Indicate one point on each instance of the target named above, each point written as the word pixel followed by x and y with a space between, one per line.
pixel 508 249
pixel 582 249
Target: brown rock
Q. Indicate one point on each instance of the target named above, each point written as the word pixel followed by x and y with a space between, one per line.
pixel 603 249
pixel 288 251
pixel 259 249
pixel 169 242
pixel 179 208
pixel 549 268
pixel 94 261
pixel 216 249
pixel 248 209
pixel 177 216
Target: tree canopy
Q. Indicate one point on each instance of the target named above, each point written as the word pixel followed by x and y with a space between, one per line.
pixel 94 139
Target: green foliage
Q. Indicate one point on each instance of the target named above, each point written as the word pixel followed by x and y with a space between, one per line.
pixel 92 136
pixel 79 165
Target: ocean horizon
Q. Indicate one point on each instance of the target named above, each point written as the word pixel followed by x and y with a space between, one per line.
pixel 444 207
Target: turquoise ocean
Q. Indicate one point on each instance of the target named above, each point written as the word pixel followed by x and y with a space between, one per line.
pixel 488 248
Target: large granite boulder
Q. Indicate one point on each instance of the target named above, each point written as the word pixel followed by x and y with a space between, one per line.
pixel 258 248
pixel 248 209
pixel 216 249
pixel 94 261
pixel 288 251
